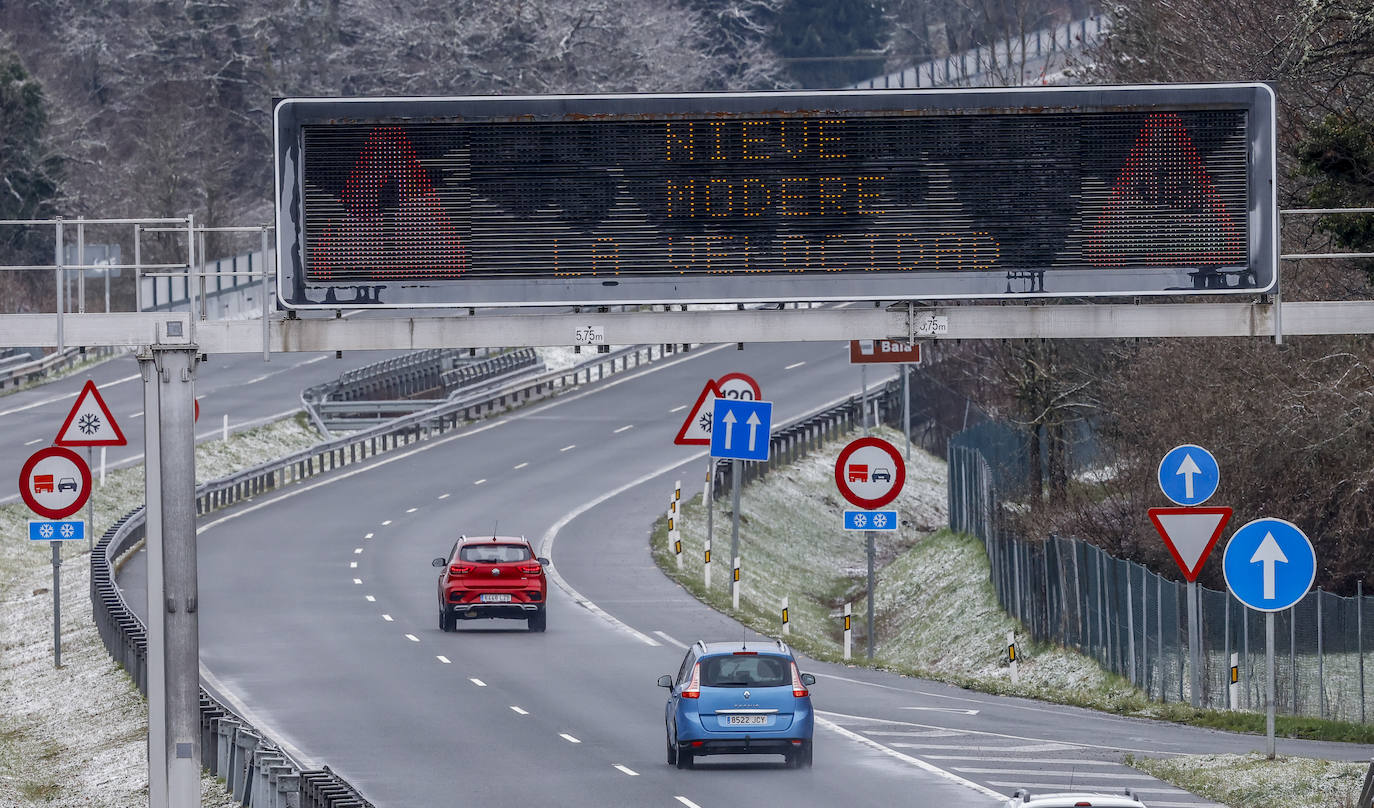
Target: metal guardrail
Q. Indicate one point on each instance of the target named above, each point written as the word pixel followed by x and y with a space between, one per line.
pixel 257 772
pixel 18 374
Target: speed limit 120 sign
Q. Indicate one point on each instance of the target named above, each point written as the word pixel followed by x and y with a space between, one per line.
pixel 869 473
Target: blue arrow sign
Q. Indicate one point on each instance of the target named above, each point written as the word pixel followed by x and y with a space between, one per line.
pixel 870 520
pixel 1189 474
pixel 1269 565
pixel 57 531
pixel 740 429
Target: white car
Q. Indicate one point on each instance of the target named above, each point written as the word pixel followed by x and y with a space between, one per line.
pixel 1073 799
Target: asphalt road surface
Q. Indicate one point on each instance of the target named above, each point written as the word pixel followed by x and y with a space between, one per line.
pixel 241 386
pixel 319 622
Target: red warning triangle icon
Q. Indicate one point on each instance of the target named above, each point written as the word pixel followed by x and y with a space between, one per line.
pixel 413 236
pixel 696 429
pixel 1190 534
pixel 1164 208
pixel 90 422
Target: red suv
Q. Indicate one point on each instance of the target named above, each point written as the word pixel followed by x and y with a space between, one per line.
pixel 496 576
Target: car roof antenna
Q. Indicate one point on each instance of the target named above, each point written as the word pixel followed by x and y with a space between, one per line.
pixel 494 526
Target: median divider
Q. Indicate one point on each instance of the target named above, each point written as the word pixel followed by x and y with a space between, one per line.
pixel 256 770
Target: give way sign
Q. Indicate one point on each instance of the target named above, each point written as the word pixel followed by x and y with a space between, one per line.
pixel 1190 534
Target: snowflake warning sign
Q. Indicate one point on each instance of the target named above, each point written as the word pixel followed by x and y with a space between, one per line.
pixel 90 422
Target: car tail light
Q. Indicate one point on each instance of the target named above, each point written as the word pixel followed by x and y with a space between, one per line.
pixel 693 688
pixel 459 569
pixel 746 653
pixel 532 569
pixel 798 689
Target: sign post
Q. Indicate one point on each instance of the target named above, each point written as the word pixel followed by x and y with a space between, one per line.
pixel 90 423
pixel 869 472
pixel 1189 476
pixel 740 431
pixel 1269 566
pixel 886 351
pixel 55 482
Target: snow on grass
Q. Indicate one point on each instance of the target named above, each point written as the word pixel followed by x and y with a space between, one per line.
pixel 78 735
pixel 1251 781
pixel 935 612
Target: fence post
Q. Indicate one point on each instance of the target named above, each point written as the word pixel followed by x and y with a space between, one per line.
pixel 1359 638
pixel 1130 627
pixel 786 628
pixel 1321 660
pixel 734 587
pixel 1293 654
pixel 848 612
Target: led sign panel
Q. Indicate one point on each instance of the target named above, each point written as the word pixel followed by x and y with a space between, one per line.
pixel 876 195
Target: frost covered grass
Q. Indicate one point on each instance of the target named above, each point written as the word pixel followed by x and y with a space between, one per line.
pixel 77 735
pixel 935 612
pixel 1251 781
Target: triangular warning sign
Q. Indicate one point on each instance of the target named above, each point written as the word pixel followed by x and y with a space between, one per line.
pixel 1164 208
pixel 90 422
pixel 1190 534
pixel 696 429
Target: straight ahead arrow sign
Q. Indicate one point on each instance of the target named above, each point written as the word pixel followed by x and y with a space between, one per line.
pixel 1269 553
pixel 1188 468
pixel 753 423
pixel 729 420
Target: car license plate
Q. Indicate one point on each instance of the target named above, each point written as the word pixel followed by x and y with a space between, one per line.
pixel 496 598
pixel 746 720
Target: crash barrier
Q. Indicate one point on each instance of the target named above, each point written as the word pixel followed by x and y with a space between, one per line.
pixel 1134 622
pixel 793 441
pixel 17 370
pixel 407 384
pixel 256 770
pixel 1023 59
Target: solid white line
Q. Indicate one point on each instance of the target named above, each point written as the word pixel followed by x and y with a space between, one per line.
pixel 35 440
pixel 105 386
pixel 519 711
pixel 321 357
pixel 370 599
pixel 678 409
pixel 411 510
pixel 917 762
pixel 387 618
pixel 443 496
pixel 478 682
pixel 622 429
pixel 626 769
pixel 1048 741
pixel 1068 786
pixel 569 446
pixel 570 739
pixel 522 465
pixel 247 713
pixel 1073 775
pixel 1025 760
pixel 685 801
pixel 412 638
pixel 443 659
pixel 794 365
pixel 678 643
pixel 479 482
pixel 257 379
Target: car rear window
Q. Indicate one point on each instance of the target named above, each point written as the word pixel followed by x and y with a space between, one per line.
pixel 494 553
pixel 745 671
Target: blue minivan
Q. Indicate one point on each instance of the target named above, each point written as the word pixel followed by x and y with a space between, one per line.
pixel 739 698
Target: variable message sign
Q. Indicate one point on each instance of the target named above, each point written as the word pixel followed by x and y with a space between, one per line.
pixel 1064 191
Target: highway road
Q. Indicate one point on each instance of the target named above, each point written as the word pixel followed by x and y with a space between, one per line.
pixel 319 623
pixel 241 386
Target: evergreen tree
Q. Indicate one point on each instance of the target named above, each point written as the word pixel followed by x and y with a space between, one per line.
pixel 29 182
pixel 1339 155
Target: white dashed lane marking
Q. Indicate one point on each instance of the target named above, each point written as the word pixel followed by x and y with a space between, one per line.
pixel 479 482
pixel 521 465
pixel 678 409
pixel 387 522
pixel 478 682
pixel 353 565
pixel 569 446
pixel 412 638
pixel 794 365
pixel 626 769
pixel 443 496
pixel 368 536
pixel 623 428
pixel 370 599
pixel 387 618
pixel 518 711
pixel 443 659
pixel 686 801
pixel 357 550
pixel 570 739
pixel 411 510
pixel 35 440
pixel 357 580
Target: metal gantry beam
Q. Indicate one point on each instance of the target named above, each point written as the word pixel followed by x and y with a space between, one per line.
pixel 391 331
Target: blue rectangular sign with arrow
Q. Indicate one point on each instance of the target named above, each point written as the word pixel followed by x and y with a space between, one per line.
pixel 740 429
